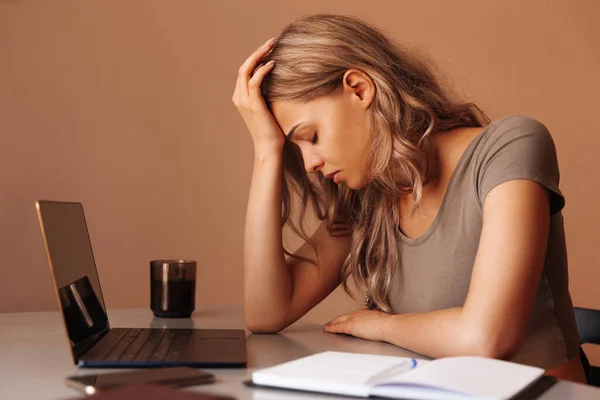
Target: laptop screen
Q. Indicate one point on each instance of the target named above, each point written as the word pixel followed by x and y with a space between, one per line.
pixel 74 272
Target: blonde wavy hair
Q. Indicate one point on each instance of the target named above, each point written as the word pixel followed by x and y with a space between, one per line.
pixel 410 107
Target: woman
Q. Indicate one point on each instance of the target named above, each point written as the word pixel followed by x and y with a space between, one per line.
pixel 449 224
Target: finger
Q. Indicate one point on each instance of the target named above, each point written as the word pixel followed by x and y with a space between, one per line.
pixel 341 319
pixel 332 327
pixel 260 63
pixel 341 327
pixel 250 64
pixel 256 80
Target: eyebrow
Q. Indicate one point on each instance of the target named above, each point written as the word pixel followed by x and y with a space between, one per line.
pixel 291 133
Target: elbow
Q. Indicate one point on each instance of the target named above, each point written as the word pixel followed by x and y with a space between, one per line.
pixel 262 328
pixel 493 344
pixel 264 325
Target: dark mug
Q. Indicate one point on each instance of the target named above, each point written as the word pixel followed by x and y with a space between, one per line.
pixel 172 288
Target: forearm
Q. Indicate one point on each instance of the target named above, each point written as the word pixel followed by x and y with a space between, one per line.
pixel 267 280
pixel 444 333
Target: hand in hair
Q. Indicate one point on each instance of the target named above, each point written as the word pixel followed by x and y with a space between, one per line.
pixel 250 103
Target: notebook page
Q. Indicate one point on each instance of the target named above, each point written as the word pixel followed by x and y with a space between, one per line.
pixel 482 378
pixel 417 392
pixel 329 372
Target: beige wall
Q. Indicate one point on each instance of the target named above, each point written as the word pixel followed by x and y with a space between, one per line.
pixel 125 106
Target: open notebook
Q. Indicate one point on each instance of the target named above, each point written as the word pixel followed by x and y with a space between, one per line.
pixel 365 375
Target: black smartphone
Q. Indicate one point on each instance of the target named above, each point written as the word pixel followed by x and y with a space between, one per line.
pixel 171 376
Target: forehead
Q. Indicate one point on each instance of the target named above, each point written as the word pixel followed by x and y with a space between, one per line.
pixel 289 113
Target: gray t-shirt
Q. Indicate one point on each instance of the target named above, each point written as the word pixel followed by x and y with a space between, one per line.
pixel 435 268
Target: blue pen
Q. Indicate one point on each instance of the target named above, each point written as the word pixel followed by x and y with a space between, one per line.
pixel 393 371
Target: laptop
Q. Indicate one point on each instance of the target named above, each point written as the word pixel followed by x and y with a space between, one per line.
pixel 92 341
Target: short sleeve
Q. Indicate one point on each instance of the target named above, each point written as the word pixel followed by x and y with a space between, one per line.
pixel 519 147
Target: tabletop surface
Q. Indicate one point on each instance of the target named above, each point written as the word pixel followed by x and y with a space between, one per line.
pixel 35 358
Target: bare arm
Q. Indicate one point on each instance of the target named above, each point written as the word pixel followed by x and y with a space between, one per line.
pixel 508 265
pixel 276 292
pixel 504 282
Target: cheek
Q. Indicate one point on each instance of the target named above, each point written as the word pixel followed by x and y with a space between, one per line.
pixel 345 136
pixel 356 130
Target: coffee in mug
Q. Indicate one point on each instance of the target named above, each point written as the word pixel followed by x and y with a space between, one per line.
pixel 172 288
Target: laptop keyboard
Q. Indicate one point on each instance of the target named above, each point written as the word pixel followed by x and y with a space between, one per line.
pixel 132 344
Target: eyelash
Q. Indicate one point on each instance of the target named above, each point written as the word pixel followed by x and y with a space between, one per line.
pixel 314 139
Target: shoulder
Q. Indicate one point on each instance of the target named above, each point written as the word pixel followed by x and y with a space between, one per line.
pixel 516 147
pixel 516 135
pixel 515 127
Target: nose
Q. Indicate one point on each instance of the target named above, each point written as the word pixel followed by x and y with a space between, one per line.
pixel 313 163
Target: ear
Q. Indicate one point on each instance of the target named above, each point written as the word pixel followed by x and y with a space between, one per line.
pixel 360 86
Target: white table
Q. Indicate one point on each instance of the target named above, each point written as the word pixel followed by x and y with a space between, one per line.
pixel 35 358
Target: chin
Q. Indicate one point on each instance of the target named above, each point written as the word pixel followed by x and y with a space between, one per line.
pixel 354 185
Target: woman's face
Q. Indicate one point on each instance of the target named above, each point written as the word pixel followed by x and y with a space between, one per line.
pixel 332 131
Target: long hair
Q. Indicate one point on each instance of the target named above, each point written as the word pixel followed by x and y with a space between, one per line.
pixel 410 107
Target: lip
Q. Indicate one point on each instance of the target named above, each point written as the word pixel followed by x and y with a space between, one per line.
pixel 336 177
pixel 331 175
